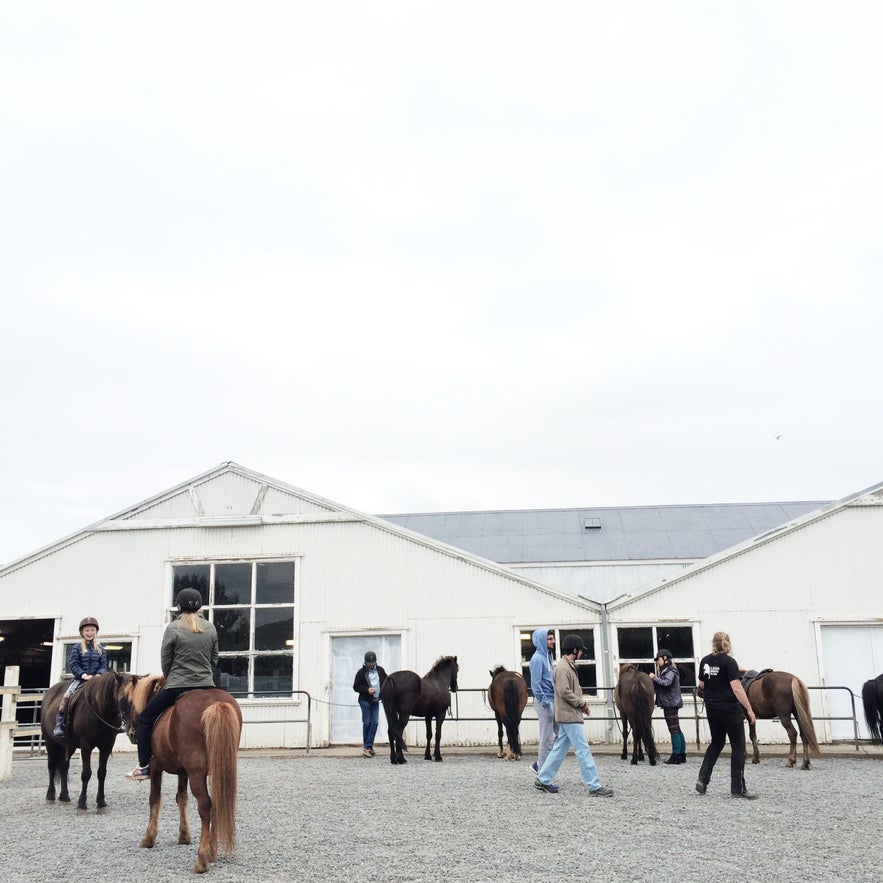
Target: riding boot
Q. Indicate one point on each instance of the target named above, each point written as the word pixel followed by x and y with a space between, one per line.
pixel 673 759
pixel 58 732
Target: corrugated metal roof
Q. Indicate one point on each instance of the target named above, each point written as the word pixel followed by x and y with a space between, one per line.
pixel 629 533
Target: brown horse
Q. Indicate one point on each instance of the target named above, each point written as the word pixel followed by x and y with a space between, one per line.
pixel 98 712
pixel 405 693
pixel 196 738
pixel 872 701
pixel 634 697
pixel 507 696
pixel 780 694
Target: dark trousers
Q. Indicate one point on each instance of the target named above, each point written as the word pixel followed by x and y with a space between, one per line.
pixel 144 728
pixel 725 725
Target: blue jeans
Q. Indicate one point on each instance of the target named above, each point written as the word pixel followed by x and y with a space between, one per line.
pixel 571 735
pixel 370 719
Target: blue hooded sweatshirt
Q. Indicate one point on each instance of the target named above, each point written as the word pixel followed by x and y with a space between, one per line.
pixel 541 664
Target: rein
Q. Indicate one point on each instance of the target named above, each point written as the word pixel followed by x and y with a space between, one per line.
pixel 120 727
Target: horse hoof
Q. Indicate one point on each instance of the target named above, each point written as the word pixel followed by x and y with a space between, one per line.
pixel 81 807
pixel 64 799
pixel 101 810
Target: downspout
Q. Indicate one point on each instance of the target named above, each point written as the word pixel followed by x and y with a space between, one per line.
pixel 607 664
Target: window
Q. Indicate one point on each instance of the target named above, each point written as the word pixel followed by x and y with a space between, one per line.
pixel 119 655
pixel 586 665
pixel 251 604
pixel 638 644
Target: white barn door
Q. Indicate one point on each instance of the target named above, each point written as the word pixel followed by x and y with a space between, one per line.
pixel 853 654
pixel 347 657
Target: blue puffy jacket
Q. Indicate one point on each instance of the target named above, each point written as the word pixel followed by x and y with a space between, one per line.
pixel 91 661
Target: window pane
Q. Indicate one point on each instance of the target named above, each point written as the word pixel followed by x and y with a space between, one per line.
pixel 119 655
pixel 687 673
pixel 678 639
pixel 588 677
pixel 191 576
pixel 588 636
pixel 635 643
pixel 233 673
pixel 273 628
pixel 527 650
pixel 273 674
pixel 233 628
pixel 275 583
pixel 232 584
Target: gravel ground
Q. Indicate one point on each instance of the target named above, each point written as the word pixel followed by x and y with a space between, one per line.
pixel 470 818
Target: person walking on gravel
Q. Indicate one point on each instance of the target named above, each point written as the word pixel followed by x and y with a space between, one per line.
pixel 542 665
pixel 570 708
pixel 721 686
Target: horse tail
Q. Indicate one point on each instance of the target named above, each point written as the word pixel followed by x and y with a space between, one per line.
pixel 513 714
pixel 221 727
pixel 800 695
pixel 872 711
pixel 388 698
pixel 642 708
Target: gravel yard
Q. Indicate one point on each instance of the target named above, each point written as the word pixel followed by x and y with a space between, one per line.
pixel 471 818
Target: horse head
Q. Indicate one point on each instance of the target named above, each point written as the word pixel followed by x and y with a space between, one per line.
pixel 450 663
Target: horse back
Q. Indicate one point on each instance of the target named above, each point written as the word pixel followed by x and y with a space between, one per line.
pixel 770 694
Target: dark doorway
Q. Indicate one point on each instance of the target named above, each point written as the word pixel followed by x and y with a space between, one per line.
pixel 28 644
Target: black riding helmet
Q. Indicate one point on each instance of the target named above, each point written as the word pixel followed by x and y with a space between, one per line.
pixel 189 600
pixel 662 652
pixel 571 643
pixel 370 657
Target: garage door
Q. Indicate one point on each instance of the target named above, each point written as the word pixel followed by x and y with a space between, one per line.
pixel 853 654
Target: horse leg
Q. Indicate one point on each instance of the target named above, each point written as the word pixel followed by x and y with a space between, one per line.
pixel 52 758
pixel 427 755
pixel 103 754
pixel 752 734
pixel 149 838
pixel 637 749
pixel 499 733
pixel 785 721
pixel 438 727
pixel 85 775
pixel 625 738
pixel 181 801
pixel 399 755
pixel 208 846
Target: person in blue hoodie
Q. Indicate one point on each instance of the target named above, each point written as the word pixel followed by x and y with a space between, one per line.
pixel 541 664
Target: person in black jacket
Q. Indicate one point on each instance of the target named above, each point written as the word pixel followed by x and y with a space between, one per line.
pixel 667 684
pixel 367 683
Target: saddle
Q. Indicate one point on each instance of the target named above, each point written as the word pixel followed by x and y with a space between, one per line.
pixel 751 676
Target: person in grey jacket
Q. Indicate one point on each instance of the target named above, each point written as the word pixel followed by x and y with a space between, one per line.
pixel 189 655
pixel 542 664
pixel 667 684
pixel 570 707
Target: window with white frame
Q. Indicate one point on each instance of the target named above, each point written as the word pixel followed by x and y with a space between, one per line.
pixel 586 665
pixel 251 604
pixel 638 644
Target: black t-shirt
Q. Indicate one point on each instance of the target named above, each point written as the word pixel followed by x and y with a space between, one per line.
pixel 716 672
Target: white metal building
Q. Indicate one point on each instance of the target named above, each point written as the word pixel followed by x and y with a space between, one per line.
pixel 806 598
pixel 299 587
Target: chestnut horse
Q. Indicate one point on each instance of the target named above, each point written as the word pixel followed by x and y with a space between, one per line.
pixel 780 694
pixel 196 738
pixel 872 700
pixel 98 712
pixel 507 696
pixel 405 693
pixel 634 697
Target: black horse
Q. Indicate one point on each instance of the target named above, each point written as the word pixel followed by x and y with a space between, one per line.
pixel 97 712
pixel 872 699
pixel 634 697
pixel 405 693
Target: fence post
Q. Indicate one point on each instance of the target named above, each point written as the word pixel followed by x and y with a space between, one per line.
pixel 9 695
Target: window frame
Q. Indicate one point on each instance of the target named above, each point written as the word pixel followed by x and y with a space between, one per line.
pixel 250 654
pixel 685 664
pixel 561 631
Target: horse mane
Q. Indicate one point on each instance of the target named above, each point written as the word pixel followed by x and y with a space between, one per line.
pixel 101 688
pixel 443 660
pixel 495 671
pixel 144 690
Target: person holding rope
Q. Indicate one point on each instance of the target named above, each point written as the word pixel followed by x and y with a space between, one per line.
pixel 85 661
pixel 667 684
pixel 189 655
pixel 367 683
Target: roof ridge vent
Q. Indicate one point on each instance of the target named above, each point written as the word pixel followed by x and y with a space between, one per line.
pixel 592 523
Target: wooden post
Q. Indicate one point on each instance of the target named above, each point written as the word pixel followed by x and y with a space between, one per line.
pixel 9 694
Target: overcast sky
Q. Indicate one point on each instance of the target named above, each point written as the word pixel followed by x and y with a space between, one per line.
pixel 438 256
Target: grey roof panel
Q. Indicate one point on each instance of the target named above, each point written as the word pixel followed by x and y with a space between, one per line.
pixel 628 533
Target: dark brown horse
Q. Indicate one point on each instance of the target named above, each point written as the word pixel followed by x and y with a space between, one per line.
pixel 634 697
pixel 405 693
pixel 780 694
pixel 507 696
pixel 98 712
pixel 872 700
pixel 196 738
